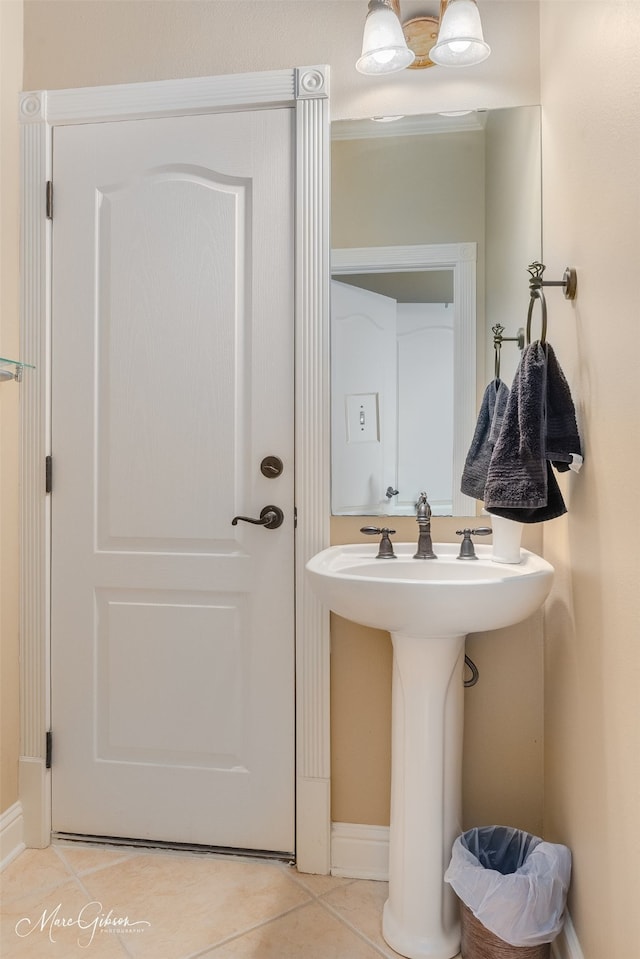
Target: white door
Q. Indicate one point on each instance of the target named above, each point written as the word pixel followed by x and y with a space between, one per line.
pixel 172 378
pixel 425 405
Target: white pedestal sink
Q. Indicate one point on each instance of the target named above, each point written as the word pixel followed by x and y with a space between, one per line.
pixel 428 606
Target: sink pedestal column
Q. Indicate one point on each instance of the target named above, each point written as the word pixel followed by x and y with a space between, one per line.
pixel 420 917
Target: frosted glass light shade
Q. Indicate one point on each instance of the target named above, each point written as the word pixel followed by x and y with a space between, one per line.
pixel 384 48
pixel 460 40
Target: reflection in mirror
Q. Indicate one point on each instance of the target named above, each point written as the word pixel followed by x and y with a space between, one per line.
pixel 404 399
pixel 402 333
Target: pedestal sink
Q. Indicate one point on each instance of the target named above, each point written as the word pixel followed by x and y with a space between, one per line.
pixel 428 606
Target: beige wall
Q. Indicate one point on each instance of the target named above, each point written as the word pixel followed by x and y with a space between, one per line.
pixel 87 42
pixel 514 227
pixel 10 84
pixel 388 191
pixel 591 149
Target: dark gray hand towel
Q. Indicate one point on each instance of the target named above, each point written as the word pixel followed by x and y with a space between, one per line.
pixel 520 483
pixel 474 474
pixel 562 437
pixel 555 505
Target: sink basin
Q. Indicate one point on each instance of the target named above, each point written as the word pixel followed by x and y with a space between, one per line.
pixel 434 597
pixel 428 606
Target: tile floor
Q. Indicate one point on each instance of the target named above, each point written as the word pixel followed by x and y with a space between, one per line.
pixel 104 902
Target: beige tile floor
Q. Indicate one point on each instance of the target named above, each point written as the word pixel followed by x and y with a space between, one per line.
pixel 103 902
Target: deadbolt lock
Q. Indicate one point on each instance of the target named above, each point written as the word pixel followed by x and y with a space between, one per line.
pixel 271 466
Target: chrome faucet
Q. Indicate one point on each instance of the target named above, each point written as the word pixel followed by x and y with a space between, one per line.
pixel 425 546
pixel 385 550
pixel 467 549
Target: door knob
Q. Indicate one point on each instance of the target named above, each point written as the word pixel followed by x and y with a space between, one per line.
pixel 271 517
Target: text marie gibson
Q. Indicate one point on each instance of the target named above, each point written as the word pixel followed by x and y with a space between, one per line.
pixel 89 920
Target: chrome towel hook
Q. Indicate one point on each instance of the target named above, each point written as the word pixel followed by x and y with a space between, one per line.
pixel 569 281
pixel 499 339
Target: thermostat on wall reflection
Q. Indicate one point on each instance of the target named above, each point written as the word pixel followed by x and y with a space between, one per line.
pixel 363 421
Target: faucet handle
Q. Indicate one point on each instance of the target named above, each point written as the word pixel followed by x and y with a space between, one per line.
pixel 386 546
pixel 467 550
pixel 423 508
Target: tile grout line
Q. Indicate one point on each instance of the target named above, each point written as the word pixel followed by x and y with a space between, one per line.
pixel 319 895
pixel 41 890
pixel 92 869
pixel 91 898
pixel 239 935
pixel 79 875
pixel 387 952
pixel 313 898
pixel 59 848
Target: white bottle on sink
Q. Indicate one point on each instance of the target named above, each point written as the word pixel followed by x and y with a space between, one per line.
pixel 506 540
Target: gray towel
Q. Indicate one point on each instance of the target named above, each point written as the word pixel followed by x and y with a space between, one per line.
pixel 562 437
pixel 474 474
pixel 538 426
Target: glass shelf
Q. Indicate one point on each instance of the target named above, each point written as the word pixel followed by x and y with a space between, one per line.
pixel 13 369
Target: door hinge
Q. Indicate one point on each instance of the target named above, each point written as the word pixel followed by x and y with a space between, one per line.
pixel 295 517
pixel 48 749
pixel 48 474
pixel 49 200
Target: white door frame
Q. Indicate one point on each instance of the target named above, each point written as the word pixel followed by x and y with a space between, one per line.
pixel 305 90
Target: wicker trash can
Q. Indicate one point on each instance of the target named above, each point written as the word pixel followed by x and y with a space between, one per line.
pixel 512 888
pixel 478 942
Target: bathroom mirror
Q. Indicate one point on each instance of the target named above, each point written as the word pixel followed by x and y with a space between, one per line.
pixel 434 222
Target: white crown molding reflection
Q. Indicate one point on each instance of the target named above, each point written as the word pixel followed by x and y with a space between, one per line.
pixel 418 125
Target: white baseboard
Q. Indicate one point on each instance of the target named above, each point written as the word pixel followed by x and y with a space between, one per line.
pixel 359 852
pixel 11 834
pixel 566 946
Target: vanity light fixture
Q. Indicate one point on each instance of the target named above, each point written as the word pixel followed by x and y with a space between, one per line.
pixel 384 47
pixel 453 40
pixel 460 39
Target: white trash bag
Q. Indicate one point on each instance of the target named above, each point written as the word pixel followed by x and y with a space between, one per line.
pixel 514 883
